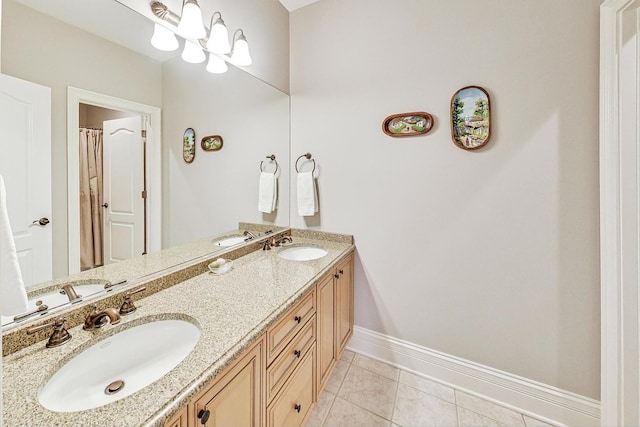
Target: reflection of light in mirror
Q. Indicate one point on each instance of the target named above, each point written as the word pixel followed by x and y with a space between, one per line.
pixel 192 53
pixel 163 38
pixel 216 65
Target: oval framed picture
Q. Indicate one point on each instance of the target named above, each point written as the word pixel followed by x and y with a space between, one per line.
pixel 470 118
pixel 189 145
pixel 407 124
pixel 211 143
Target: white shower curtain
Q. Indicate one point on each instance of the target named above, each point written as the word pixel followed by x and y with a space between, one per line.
pixel 91 198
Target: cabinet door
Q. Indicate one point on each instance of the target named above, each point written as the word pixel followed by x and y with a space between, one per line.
pixel 326 332
pixel 236 399
pixel 344 304
pixel 179 420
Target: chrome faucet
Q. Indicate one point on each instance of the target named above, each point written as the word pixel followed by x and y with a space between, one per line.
pixel 97 319
pixel 250 234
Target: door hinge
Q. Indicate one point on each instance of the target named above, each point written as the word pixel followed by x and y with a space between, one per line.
pixel 144 133
pixel 143 194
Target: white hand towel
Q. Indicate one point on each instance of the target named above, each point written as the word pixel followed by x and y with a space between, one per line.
pixel 267 192
pixel 307 196
pixel 14 296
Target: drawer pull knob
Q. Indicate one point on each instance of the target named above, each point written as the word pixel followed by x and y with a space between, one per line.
pixel 341 271
pixel 337 276
pixel 203 415
pixel 297 353
pixel 297 408
pixel 298 319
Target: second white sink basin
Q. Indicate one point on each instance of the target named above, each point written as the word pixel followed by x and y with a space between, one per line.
pixel 230 241
pixel 119 366
pixel 302 253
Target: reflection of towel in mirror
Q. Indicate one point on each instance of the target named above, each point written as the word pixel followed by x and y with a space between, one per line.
pixel 307 196
pixel 14 296
pixel 267 192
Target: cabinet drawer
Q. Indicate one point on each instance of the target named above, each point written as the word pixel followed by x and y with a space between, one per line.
pixel 294 403
pixel 279 335
pixel 287 361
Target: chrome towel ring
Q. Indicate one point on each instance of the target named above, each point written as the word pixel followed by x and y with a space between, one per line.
pixel 308 157
pixel 273 159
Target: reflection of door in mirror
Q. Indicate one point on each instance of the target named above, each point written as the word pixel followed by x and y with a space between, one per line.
pixel 112 187
pixel 25 144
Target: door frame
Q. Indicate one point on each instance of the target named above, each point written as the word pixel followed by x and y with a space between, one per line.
pixel 153 163
pixel 619 234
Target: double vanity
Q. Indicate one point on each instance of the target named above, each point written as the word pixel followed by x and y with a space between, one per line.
pixel 252 346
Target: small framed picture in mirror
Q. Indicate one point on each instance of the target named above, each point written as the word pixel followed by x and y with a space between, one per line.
pixel 470 118
pixel 189 145
pixel 211 143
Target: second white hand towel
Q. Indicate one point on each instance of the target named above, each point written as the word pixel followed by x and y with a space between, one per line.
pixel 307 197
pixel 14 296
pixel 267 192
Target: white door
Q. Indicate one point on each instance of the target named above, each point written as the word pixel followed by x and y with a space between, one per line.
pixel 25 164
pixel 123 182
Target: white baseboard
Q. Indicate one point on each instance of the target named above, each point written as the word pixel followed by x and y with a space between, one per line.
pixel 526 396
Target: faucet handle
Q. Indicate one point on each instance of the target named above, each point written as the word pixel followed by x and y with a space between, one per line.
pixel 128 306
pixel 59 336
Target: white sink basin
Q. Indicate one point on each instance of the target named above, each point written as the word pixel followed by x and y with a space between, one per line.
pixel 230 241
pixel 302 253
pixel 55 298
pixel 136 357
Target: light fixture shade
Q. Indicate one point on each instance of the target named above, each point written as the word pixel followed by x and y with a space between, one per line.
pixel 163 38
pixel 191 26
pixel 219 38
pixel 240 54
pixel 216 65
pixel 192 53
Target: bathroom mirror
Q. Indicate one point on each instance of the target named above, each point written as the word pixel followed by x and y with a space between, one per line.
pixel 201 201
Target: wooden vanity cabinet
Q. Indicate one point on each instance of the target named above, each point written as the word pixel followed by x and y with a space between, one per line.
pixel 344 304
pixel 291 365
pixel 326 328
pixel 277 380
pixel 179 420
pixel 334 317
pixel 237 397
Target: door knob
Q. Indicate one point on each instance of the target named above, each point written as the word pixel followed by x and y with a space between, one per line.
pixel 41 221
pixel 105 205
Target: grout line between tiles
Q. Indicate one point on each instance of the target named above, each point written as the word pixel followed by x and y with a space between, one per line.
pixel 395 400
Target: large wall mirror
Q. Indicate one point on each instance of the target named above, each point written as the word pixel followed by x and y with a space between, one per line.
pixel 70 44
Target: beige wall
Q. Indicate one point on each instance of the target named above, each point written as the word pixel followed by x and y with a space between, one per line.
pixel 492 255
pixel 219 188
pixel 57 55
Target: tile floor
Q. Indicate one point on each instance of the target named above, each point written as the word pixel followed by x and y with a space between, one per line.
pixel 363 392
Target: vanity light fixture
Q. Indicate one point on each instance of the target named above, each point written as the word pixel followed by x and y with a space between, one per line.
pixel 216 65
pixel 240 51
pixel 163 38
pixel 190 25
pixel 192 53
pixel 218 36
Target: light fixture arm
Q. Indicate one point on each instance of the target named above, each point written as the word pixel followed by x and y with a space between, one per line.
pixel 161 10
pixel 219 19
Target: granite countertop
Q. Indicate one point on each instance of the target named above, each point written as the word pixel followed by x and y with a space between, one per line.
pixel 150 263
pixel 232 310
